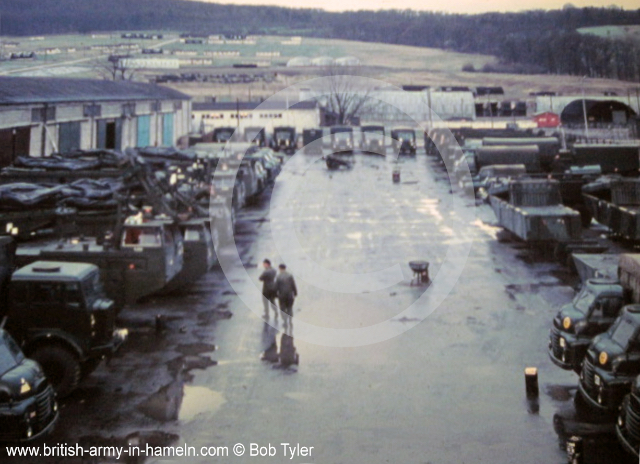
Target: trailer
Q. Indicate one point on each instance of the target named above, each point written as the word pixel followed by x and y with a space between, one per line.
pixel 532 211
pixel 615 203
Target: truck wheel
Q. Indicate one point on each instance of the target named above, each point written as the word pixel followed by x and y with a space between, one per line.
pixel 60 366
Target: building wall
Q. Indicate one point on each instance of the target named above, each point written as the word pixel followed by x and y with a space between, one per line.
pixel 44 137
pixel 206 121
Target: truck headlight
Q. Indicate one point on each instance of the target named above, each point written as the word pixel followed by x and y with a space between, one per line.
pixel 603 358
pixel 563 342
pixel 92 320
pixel 566 323
pixel 24 387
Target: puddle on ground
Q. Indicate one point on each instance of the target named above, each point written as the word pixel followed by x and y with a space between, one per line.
pixel 178 401
pixel 198 400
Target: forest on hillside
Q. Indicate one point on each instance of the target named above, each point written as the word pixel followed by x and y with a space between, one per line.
pixel 531 41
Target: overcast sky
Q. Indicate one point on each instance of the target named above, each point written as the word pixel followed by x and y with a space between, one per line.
pixel 458 6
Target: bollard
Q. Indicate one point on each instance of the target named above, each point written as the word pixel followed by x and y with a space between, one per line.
pixel 396 176
pixel 531 382
pixel 160 323
pixel 575 450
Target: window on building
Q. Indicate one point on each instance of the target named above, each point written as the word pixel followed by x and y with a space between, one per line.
pixel 43 114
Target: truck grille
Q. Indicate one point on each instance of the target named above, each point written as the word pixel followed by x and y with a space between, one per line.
pixel 588 371
pixel 555 343
pixel 44 407
pixel 633 418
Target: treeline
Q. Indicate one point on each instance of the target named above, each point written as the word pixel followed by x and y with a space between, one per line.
pixel 541 41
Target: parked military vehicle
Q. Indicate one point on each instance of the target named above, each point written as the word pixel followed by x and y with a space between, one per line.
pixel 136 261
pixel 477 158
pixel 628 423
pixel 404 141
pixel 284 139
pixel 256 135
pixel 612 159
pixel 59 314
pixel 201 243
pixel 548 147
pixel 615 202
pixel 612 363
pixel 489 175
pixel 593 310
pixel 532 210
pixel 270 164
pixel 312 140
pixel 373 141
pixel 223 134
pixel 342 140
pixel 28 407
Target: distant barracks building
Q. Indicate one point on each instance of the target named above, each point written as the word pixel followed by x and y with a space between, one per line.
pixel 41 116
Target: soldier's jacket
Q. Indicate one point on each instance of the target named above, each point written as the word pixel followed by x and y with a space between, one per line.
pixel 286 286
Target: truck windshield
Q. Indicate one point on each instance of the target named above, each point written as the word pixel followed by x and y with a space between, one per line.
pixel 283 135
pixel 139 236
pixel 374 135
pixel 583 300
pixel 10 354
pixel 223 136
pixel 623 332
pixel 342 135
pixel 405 136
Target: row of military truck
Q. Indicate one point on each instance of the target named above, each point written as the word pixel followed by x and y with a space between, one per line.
pixel 546 194
pixel 371 139
pixel 88 233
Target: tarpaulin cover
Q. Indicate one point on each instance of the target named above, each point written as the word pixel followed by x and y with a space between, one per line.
pixel 82 194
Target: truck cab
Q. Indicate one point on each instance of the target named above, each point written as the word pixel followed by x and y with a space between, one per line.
pixel 612 362
pixel 312 140
pixel 628 424
pixel 342 139
pixel 61 317
pixel 404 141
pixel 284 139
pixel 373 140
pixel 223 134
pixel 28 407
pixel 593 310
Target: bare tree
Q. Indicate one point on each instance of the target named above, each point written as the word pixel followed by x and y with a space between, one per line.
pixel 116 68
pixel 347 96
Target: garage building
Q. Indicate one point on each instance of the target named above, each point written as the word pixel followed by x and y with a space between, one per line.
pixel 41 116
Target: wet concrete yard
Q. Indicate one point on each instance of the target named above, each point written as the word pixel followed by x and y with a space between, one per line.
pixel 448 389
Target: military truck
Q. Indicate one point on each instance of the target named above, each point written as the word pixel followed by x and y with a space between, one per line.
pixel 28 407
pixel 201 244
pixel 342 140
pixel 256 135
pixel 548 147
pixel 223 134
pixel 373 141
pixel 621 159
pixel 612 363
pixel 136 261
pixel 59 314
pixel 312 141
pixel 284 139
pixel 628 423
pixel 404 140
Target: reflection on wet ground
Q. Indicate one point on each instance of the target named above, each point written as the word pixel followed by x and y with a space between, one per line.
pixel 284 355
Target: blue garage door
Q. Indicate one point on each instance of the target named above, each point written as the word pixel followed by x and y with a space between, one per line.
pixel 144 131
pixel 167 129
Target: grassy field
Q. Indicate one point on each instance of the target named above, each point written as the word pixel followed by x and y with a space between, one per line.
pixel 613 32
pixel 395 64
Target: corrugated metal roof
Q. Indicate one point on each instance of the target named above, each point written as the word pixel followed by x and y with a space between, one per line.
pixel 29 90
pixel 250 106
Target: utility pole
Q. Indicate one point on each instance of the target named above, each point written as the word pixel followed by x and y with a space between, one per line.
pixel 584 110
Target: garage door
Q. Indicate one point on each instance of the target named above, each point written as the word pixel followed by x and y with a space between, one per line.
pixel 167 129
pixel 144 131
pixel 14 142
pixel 69 137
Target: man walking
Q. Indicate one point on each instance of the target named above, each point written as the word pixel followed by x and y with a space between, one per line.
pixel 268 279
pixel 287 292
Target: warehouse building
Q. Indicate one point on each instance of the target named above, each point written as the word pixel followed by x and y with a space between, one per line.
pixel 41 116
pixel 208 116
